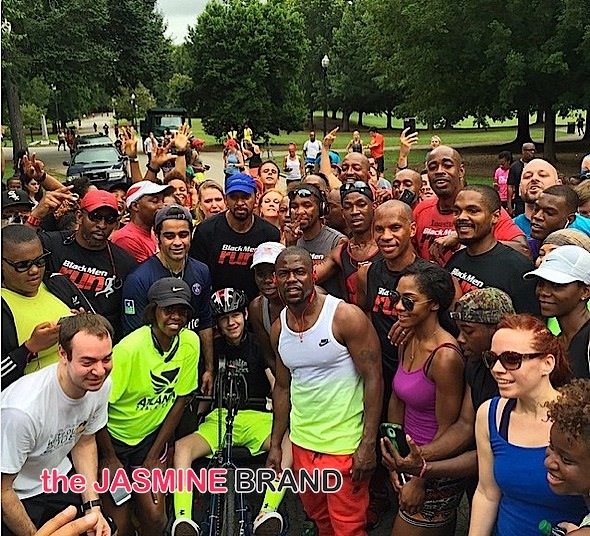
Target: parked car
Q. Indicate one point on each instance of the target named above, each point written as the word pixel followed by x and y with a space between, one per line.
pixel 102 164
pixel 92 140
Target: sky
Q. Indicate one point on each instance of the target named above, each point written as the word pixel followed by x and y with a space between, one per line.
pixel 179 14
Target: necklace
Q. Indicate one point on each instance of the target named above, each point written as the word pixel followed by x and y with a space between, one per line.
pixel 179 275
pixel 412 354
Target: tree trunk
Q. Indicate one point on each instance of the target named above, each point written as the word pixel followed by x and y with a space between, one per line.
pixel 549 135
pixel 334 114
pixel 311 120
pixel 539 119
pixel 523 134
pixel 587 126
pixel 346 121
pixel 17 131
pixel 389 118
pixel 360 120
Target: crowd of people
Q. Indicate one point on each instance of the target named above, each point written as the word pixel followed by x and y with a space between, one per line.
pixel 458 312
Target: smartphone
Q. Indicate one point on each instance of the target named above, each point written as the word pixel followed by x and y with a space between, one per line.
pixel 407 197
pixel 120 496
pixel 397 436
pixel 410 122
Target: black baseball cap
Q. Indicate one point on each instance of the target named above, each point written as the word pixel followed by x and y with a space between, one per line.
pixel 11 198
pixel 170 291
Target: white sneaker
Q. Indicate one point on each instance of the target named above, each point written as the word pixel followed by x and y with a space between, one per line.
pixel 183 526
pixel 268 524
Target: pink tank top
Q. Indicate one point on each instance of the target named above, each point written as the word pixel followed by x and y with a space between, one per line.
pixel 418 393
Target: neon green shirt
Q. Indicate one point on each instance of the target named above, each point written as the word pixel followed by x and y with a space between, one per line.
pixel 29 312
pixel 553 324
pixel 145 386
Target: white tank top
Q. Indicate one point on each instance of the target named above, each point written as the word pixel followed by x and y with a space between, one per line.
pixel 326 390
pixel 295 172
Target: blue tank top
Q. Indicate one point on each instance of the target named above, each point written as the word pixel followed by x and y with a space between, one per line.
pixel 526 496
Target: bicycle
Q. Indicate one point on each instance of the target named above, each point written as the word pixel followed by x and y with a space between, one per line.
pixel 229 514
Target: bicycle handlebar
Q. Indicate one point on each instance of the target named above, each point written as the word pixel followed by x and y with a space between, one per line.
pixel 256 402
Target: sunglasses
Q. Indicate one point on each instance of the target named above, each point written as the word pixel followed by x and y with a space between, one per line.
pixel 356 186
pixel 24 266
pixel 96 216
pixel 509 360
pixel 408 303
pixel 301 192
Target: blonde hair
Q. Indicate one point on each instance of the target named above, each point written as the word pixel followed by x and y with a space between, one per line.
pixel 270 191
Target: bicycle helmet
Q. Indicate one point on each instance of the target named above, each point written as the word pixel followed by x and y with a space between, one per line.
pixel 228 300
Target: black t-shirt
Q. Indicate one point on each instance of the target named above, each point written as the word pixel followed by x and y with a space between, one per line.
pixel 381 282
pixel 482 383
pixel 502 267
pixel 98 274
pixel 514 175
pixel 579 352
pixel 228 254
pixel 248 351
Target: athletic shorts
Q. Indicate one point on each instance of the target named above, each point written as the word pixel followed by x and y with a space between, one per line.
pixel 251 429
pixel 380 163
pixel 133 457
pixel 443 496
pixel 335 514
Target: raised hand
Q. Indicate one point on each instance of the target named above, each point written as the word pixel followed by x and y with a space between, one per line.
pixel 160 156
pixel 330 138
pixel 406 141
pixel 181 139
pixel 129 140
pixel 32 167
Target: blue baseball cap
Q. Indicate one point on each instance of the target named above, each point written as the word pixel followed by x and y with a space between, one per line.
pixel 240 182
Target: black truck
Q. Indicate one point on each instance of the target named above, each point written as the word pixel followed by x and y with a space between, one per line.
pixel 158 120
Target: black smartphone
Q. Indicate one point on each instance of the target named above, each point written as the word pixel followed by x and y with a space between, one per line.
pixel 407 197
pixel 397 436
pixel 410 122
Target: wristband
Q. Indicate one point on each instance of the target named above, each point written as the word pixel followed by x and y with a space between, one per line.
pixel 34 221
pixel 402 168
pixel 154 170
pixel 91 504
pixel 180 153
pixel 133 159
pixel 424 468
pixel 42 178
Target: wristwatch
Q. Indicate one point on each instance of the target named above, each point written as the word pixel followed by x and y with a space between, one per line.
pixel 91 504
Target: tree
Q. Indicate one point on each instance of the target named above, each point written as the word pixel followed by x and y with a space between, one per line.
pixel 180 91
pixel 321 20
pixel 355 79
pixel 144 100
pixel 247 59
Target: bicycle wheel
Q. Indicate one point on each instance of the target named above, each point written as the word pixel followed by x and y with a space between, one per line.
pixel 229 522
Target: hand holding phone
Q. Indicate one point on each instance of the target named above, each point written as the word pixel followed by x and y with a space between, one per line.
pixel 395 433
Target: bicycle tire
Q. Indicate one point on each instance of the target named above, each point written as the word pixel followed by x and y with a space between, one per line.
pixel 229 523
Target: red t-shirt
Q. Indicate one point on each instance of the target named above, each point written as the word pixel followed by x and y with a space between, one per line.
pixel 138 242
pixel 431 223
pixel 377 152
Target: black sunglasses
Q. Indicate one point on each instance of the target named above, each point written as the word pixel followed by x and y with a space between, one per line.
pixel 301 192
pixel 408 303
pixel 97 216
pixel 509 360
pixel 356 186
pixel 24 266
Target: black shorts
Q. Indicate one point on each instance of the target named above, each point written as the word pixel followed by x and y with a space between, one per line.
pixel 133 456
pixel 380 163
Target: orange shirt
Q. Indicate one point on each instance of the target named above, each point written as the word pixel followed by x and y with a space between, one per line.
pixel 377 152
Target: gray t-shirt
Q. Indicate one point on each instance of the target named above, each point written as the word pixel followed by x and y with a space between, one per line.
pixel 318 248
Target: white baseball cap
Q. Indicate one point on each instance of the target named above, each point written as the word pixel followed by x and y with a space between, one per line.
pixel 139 189
pixel 564 265
pixel 267 252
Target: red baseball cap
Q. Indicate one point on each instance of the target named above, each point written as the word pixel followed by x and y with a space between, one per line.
pixel 95 199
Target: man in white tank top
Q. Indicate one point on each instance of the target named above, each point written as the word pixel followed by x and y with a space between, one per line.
pixel 292 165
pixel 329 391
